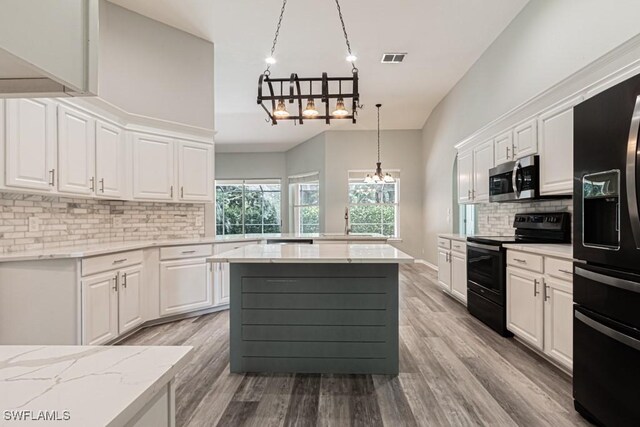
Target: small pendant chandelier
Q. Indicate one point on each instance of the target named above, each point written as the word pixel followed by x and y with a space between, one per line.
pixel 278 109
pixel 379 177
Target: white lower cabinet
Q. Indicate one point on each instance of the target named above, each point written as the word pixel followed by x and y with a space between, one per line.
pixel 185 285
pixel 459 275
pixel 525 317
pixel 221 280
pixel 444 269
pixel 111 304
pixel 540 307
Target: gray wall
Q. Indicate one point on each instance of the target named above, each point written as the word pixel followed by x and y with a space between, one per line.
pixel 546 43
pixel 151 69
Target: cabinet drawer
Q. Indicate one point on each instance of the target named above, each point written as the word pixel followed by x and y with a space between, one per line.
pixel 525 260
pixel 444 243
pixel 219 248
pixel 459 246
pixel 190 251
pixel 98 264
pixel 560 268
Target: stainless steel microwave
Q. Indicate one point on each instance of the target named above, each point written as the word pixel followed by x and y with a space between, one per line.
pixel 515 181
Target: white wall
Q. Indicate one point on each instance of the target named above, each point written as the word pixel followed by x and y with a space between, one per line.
pixel 546 43
pixel 357 150
pixel 151 69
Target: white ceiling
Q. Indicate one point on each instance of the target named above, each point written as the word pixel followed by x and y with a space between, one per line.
pixel 443 39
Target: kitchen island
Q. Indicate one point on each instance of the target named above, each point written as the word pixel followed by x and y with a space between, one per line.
pixel 329 308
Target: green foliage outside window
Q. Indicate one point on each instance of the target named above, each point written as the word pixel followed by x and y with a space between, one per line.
pixel 247 208
pixel 373 208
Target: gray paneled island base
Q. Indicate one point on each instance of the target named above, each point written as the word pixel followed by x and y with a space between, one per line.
pixel 314 308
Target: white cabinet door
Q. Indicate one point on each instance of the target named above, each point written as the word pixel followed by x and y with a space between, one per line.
pixel 184 286
pixel 444 269
pixel 153 167
pixel 556 150
pixel 525 139
pixel 465 176
pixel 482 162
pixel 195 164
pixel 221 282
pixel 99 308
pixel 503 147
pixel 111 170
pixel 130 298
pixel 31 144
pixel 459 276
pixel 558 321
pixel 525 306
pixel 76 152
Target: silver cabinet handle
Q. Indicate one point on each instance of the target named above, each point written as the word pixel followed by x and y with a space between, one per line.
pixel 522 261
pixel 181 192
pixel 172 191
pixel 102 185
pixel 119 261
pixel 189 252
pixel 546 292
pixel 507 152
pixel 124 280
pixel 535 288
pixel 115 280
pixel 52 174
pixel 469 194
pixel 92 187
pixel 565 271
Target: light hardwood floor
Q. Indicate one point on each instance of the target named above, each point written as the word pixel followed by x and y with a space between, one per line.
pixel 454 371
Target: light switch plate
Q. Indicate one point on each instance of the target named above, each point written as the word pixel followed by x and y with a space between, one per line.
pixel 117 221
pixel 35 224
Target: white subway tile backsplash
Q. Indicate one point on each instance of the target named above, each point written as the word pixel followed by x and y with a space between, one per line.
pixel 67 221
pixel 496 219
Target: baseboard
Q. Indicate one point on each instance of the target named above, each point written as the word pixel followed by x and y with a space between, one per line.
pixel 168 319
pixel 427 263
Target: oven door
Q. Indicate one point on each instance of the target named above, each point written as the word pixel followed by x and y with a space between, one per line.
pixel 606 369
pixel 486 271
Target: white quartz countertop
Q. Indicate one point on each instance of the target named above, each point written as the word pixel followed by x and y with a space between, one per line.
pixel 454 236
pixel 322 253
pixel 93 249
pixel 99 386
pixel 556 250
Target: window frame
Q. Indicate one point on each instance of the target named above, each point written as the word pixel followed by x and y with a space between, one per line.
pixel 354 177
pixel 297 205
pixel 244 183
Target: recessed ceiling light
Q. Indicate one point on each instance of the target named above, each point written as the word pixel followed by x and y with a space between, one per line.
pixel 393 58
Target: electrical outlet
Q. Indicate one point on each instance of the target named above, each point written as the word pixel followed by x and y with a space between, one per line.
pixel 117 221
pixel 35 224
pixel 199 221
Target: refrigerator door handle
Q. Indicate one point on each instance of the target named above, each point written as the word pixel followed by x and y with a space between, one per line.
pixel 608 280
pixel 611 333
pixel 631 175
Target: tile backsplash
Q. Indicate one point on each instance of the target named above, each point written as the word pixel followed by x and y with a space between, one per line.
pixel 496 219
pixel 69 221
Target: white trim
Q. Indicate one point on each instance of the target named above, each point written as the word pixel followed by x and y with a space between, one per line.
pixel 427 263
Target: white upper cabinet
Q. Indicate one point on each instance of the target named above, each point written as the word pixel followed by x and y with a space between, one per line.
pixel 153 167
pixel 111 170
pixel 31 144
pixel 503 146
pixel 482 162
pixel 525 139
pixel 195 164
pixel 556 149
pixel 465 176
pixel 76 151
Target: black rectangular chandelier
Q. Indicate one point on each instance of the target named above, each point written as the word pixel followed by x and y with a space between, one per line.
pixel 273 97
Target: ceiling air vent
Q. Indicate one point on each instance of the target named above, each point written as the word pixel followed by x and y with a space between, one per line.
pixel 393 58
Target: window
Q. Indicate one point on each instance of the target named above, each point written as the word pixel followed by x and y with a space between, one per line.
pixel 248 207
pixel 373 208
pixel 304 194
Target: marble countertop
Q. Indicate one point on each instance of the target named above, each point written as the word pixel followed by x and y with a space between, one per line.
pixel 94 249
pixel 556 250
pixel 322 253
pixel 103 386
pixel 454 236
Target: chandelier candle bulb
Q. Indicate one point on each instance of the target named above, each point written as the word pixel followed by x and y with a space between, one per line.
pixel 352 58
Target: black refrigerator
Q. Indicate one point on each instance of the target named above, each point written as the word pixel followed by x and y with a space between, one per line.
pixel 606 246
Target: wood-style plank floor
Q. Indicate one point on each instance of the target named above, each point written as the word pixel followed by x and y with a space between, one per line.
pixel 454 371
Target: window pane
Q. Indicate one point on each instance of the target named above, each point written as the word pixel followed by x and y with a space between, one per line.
pixel 366 228
pixel 252 205
pixel 373 207
pixel 365 214
pixel 271 208
pixel 309 219
pixel 362 193
pixel 309 194
pixel 229 209
pixel 389 229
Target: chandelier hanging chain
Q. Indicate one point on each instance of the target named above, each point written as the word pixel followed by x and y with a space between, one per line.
pixel 275 38
pixel 378 132
pixel 346 37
